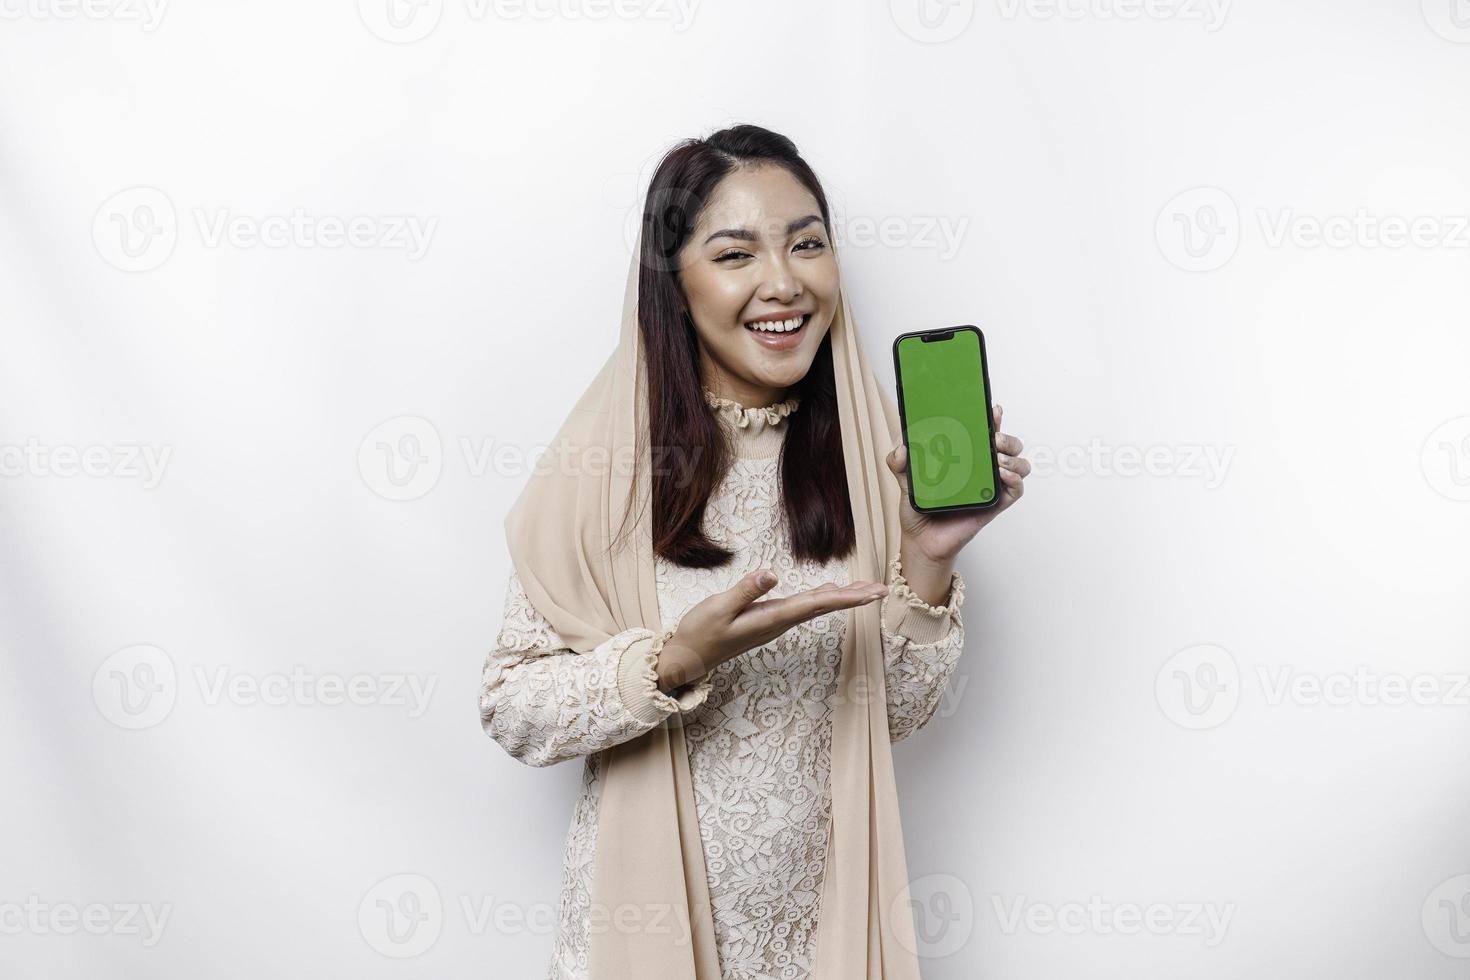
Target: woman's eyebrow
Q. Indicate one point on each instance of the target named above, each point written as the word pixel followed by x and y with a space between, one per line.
pixel 746 235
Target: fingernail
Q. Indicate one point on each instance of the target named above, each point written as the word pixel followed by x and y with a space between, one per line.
pixel 767 578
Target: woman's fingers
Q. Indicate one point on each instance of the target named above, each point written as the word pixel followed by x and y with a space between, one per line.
pixel 841 597
pixel 851 590
pixel 782 614
pixel 748 589
pixel 1018 464
pixel 1013 481
pixel 898 465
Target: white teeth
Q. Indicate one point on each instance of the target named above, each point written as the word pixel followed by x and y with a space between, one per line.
pixel 777 326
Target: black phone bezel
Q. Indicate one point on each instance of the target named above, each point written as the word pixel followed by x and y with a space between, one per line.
pixel 989 417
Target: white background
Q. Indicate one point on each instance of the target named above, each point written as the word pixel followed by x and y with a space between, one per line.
pixel 1132 193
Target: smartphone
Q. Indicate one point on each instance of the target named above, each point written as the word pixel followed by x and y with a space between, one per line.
pixel 947 423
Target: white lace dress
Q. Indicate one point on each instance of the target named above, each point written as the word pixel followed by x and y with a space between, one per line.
pixel 758 727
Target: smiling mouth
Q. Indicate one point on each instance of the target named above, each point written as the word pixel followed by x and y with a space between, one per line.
pixel 778 328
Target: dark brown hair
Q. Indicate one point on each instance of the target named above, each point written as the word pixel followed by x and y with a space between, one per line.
pixel 688 449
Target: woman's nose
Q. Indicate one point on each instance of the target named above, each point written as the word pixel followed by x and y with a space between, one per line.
pixel 780 283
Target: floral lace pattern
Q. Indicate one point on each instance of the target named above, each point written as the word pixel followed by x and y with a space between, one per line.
pixel 917 673
pixel 522 688
pixel 759 743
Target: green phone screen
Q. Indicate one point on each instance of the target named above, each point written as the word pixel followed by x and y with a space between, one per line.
pixel 946 418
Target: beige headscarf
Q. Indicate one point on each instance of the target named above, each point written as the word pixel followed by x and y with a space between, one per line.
pixel 650 862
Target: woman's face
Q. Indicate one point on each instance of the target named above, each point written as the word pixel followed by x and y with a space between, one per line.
pixel 759 251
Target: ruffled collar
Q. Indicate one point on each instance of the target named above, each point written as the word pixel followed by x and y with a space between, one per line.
pixel 744 417
pixel 757 433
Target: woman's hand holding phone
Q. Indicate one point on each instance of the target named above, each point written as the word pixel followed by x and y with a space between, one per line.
pixel 728 623
pixel 938 537
pixel 931 542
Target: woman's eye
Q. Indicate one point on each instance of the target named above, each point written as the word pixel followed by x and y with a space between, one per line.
pixel 805 245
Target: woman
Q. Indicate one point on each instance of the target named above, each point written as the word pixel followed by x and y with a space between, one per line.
pixel 738 817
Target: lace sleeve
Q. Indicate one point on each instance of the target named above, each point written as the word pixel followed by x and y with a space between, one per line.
pixel 921 646
pixel 544 702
